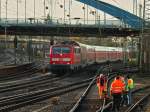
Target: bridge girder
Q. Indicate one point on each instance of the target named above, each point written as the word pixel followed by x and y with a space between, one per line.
pixel 127 17
pixel 68 31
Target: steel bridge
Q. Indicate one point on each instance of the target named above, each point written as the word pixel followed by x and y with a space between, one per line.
pixel 127 24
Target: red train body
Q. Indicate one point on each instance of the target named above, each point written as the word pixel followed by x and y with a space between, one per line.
pixel 73 55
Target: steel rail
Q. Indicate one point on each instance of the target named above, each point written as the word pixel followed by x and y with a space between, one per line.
pixel 20 81
pixel 76 106
pixel 37 83
pixel 19 98
pixel 40 81
pixel 39 98
pixel 109 105
pixel 111 76
pixel 133 107
pixel 20 74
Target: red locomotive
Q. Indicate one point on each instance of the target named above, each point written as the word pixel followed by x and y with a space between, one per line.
pixel 71 55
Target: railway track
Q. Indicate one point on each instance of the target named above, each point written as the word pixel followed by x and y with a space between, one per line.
pixel 139 100
pixel 38 81
pixel 33 83
pixel 136 99
pixel 17 101
pixel 21 100
pixel 84 104
pixel 67 105
pixel 28 70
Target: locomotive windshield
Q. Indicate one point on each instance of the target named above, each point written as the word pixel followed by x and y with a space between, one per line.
pixel 61 50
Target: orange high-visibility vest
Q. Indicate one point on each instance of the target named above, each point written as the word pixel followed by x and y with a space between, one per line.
pixel 117 86
pixel 101 80
pixel 98 80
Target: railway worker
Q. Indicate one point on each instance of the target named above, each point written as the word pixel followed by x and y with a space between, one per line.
pixel 116 89
pixel 101 84
pixel 129 87
pixel 124 100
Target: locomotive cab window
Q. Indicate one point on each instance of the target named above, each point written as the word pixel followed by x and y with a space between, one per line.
pixel 56 50
pixel 61 50
pixel 65 50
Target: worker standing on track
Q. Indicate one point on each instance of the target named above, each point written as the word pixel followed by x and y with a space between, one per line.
pixel 124 101
pixel 101 84
pixel 116 89
pixel 130 86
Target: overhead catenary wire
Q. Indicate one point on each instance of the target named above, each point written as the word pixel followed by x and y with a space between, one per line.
pixel 116 2
pixel 38 12
pixel 11 9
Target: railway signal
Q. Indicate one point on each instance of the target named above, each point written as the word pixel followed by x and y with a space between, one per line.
pixel 52 42
pixel 15 42
pixel 15 46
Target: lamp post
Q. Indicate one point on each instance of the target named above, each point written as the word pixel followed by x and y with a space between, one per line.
pixel 15 47
pixel 6 34
pixel 64 10
pixel 124 45
pixel 17 11
pixel 34 11
pixel 51 9
pixel 141 39
pixel 84 13
pixel 104 19
pixel 87 14
pixel 6 26
pixel 6 8
pixel 0 10
pixel 25 10
pixel 69 11
pixel 44 9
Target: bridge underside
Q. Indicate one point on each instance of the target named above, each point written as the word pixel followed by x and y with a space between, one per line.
pixel 68 31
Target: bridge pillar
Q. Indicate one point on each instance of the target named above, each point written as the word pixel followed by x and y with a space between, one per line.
pixel 146 51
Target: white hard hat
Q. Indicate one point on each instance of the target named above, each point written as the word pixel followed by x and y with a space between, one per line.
pixel 101 75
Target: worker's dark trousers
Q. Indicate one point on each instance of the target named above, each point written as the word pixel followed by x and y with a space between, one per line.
pixel 116 101
pixel 124 100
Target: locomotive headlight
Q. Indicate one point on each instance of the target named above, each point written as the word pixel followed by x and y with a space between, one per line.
pixel 55 59
pixel 66 59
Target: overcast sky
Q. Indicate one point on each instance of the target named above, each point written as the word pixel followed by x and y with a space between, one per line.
pixel 57 11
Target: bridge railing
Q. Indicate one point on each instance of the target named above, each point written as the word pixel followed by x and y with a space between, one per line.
pixel 61 22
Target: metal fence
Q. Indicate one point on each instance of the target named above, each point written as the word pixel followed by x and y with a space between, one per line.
pixel 61 22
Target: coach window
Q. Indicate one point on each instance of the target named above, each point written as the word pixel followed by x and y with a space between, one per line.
pixel 79 50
